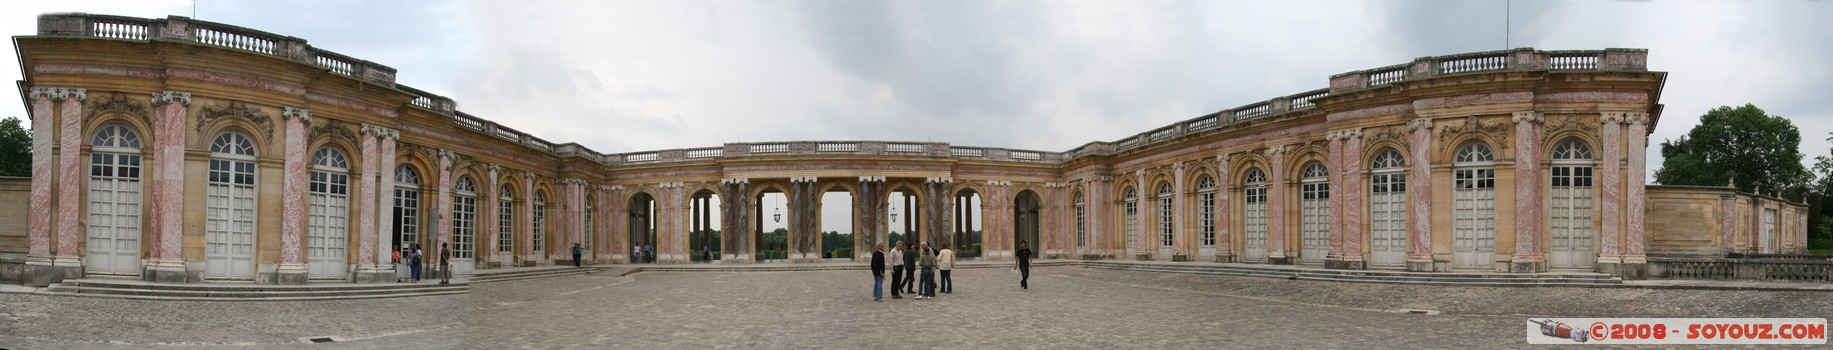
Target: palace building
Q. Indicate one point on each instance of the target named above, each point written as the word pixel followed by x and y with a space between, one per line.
pixel 183 151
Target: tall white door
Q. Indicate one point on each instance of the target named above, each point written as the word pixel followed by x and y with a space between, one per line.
pixel 1166 227
pixel 505 229
pixel 1474 218
pixel 1387 219
pixel 1570 240
pixel 229 215
pixel 464 226
pixel 1766 240
pixel 1132 224
pixel 1314 220
pixel 328 233
pixel 113 228
pixel 1254 195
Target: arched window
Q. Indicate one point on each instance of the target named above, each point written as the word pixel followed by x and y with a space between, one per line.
pixel 407 208
pixel 505 221
pixel 1206 211
pixel 113 228
pixel 1387 209
pixel 464 223
pixel 229 218
pixel 1254 193
pixel 1474 206
pixel 1570 202
pixel 540 225
pixel 1132 218
pixel 1314 201
pixel 1165 227
pixel 327 231
pixel 1081 222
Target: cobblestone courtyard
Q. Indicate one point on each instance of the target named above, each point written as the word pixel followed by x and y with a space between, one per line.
pixel 1067 307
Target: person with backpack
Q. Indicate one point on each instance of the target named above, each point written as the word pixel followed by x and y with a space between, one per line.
pixel 928 290
pixel 577 251
pixel 413 264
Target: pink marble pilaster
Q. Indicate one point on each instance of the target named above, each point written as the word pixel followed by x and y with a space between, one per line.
pixel 1727 225
pixel 527 213
pixel 1527 188
pixel 1224 222
pixel 69 139
pixel 1419 195
pixel 488 227
pixel 385 179
pixel 1143 224
pixel 1276 203
pixel 1610 180
pixel 169 179
pixel 1354 192
pixel 444 201
pixel 44 175
pixel 366 203
pixel 1177 206
pixel 293 202
pixel 1638 179
pixel 1336 195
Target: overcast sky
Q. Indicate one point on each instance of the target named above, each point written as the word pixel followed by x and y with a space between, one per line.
pixel 1044 75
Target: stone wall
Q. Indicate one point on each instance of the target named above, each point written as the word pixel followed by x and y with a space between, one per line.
pixel 15 193
pixel 1704 221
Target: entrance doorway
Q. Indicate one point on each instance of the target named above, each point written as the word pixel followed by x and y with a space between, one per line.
pixel 1025 220
pixel 642 229
pixel 704 236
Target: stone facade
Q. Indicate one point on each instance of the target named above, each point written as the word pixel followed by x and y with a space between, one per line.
pixel 234 187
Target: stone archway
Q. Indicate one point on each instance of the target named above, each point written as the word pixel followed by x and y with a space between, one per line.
pixel 642 213
pixel 703 235
pixel 968 241
pixel 1025 219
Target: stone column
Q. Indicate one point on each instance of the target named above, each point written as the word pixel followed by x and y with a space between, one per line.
pixel 869 214
pixel 669 232
pixel 1728 210
pixel 70 182
pixel 1225 251
pixel 490 222
pixel 442 208
pixel 1633 256
pixel 735 220
pixel 39 271
pixel 1353 191
pixel 619 219
pixel 1178 217
pixel 1276 207
pixel 367 205
pixel 527 248
pixel 1141 226
pixel 1334 259
pixel 1529 256
pixel 1610 179
pixel 803 231
pixel 1419 197
pixel 384 200
pixel 935 211
pixel 292 268
pixel 168 263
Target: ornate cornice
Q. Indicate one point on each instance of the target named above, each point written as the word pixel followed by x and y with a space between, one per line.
pixel 871 179
pixel 736 180
pixel 1530 117
pixel 1610 118
pixel 58 93
pixel 1473 125
pixel 1419 123
pixel 942 179
pixel 304 116
pixel 162 98
pixel 1637 118
pixel 803 179
pixel 117 103
pixel 336 129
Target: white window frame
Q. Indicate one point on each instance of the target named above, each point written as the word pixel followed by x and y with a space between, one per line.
pixel 113 227
pixel 1254 213
pixel 1571 228
pixel 1388 209
pixel 407 208
pixel 230 207
pixel 1474 207
pixel 328 226
pixel 1314 204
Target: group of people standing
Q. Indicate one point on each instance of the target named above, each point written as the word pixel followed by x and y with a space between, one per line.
pixel 413 262
pixel 905 259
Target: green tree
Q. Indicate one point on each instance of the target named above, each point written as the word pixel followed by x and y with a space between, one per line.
pixel 1741 144
pixel 15 148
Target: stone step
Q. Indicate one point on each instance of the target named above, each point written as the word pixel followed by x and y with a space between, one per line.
pixel 245 292
pixel 1368 273
pixel 528 274
pixel 262 298
pixel 1413 278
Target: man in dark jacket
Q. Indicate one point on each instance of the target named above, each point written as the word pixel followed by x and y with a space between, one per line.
pixel 910 265
pixel 878 273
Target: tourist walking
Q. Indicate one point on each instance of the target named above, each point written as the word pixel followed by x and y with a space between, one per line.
pixel 1023 264
pixel 929 274
pixel 897 269
pixel 445 264
pixel 577 251
pixel 413 264
pixel 878 273
pixel 945 261
pixel 910 265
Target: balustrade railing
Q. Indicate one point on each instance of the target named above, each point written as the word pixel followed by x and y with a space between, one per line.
pixel 1304 100
pixel 1204 123
pixel 1743 269
pixel 967 152
pixel 1255 111
pixel 708 152
pixel 770 148
pixel 1163 133
pixel 1025 155
pixel 836 147
pixel 1388 75
pixel 506 134
pixel 905 147
pixel 120 29
pixel 218 37
pixel 1573 61
pixel 468 121
pixel 1485 62
pixel 641 157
